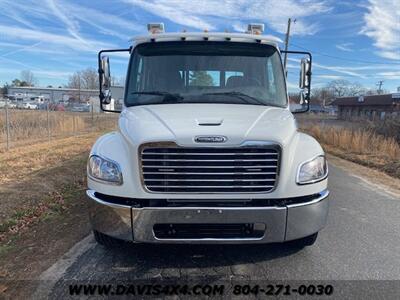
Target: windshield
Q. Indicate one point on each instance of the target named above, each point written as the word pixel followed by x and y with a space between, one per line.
pixel 205 72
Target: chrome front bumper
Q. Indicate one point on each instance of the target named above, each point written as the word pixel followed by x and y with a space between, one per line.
pixel 283 223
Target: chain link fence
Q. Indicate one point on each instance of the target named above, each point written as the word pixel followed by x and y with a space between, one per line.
pixel 20 127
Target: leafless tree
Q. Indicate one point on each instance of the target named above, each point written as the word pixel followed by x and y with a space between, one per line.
pixel 356 89
pixel 90 79
pixel 74 81
pixel 339 88
pixel 322 96
pixel 117 81
pixel 28 77
pixel 343 88
pixel 84 79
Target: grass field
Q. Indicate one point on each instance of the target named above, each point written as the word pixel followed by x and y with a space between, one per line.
pixel 363 145
pixel 42 208
pixel 33 180
pixel 29 127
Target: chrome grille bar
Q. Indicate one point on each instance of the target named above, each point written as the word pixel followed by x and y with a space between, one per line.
pixel 211 186
pixel 212 180
pixel 214 173
pixel 210 166
pixel 209 160
pixel 175 169
pixel 197 153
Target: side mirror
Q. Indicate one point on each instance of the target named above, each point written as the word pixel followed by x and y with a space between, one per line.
pixel 305 73
pixel 299 104
pixel 105 80
pixel 106 103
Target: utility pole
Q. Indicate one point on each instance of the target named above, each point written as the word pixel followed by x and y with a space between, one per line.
pixel 7 126
pixel 48 121
pixel 379 84
pixel 79 88
pixel 287 41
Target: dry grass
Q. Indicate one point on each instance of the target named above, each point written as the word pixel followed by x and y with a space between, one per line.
pixel 18 163
pixel 29 127
pixel 387 128
pixel 356 141
pixel 33 178
pixel 360 145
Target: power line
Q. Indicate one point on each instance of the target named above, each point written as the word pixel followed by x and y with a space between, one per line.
pixel 345 59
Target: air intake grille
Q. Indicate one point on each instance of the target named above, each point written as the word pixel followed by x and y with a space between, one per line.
pixel 203 231
pixel 210 169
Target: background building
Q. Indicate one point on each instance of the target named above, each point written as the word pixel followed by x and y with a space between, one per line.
pixel 376 107
pixel 54 95
pixel 58 95
pixel 64 98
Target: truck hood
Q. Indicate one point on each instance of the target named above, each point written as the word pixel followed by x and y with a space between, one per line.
pixel 181 123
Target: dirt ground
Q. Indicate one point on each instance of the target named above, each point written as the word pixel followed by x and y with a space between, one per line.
pixel 23 170
pixel 42 209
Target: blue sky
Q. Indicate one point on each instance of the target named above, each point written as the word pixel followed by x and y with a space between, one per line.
pixel 354 40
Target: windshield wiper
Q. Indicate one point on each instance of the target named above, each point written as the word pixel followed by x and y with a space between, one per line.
pixel 244 97
pixel 167 96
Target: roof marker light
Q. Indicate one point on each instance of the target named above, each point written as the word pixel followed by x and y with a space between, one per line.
pixel 154 28
pixel 255 28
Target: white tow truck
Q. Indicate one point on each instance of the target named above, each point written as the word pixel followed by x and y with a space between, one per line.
pixel 207 148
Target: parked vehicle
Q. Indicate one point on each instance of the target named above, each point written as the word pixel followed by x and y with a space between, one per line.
pixel 207 149
pixel 20 104
pixel 11 104
pixel 80 108
pixel 59 107
pixel 30 105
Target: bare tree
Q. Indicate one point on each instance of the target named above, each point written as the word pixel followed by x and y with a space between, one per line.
pixel 74 81
pixel 356 89
pixel 339 88
pixel 117 81
pixel 89 79
pixel 343 88
pixel 85 79
pixel 28 77
pixel 322 96
pixel 3 90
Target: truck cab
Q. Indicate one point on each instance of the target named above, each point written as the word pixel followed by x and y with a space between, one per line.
pixel 207 148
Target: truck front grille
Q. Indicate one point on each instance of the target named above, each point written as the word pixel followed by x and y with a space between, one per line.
pixel 175 169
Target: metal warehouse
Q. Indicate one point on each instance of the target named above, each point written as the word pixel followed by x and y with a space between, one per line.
pixel 56 95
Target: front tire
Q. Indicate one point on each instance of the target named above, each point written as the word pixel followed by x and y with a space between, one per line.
pixel 106 240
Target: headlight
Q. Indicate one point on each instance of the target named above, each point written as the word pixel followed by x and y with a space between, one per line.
pixel 103 169
pixel 312 171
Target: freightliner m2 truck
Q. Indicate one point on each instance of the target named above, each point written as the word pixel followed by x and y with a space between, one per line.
pixel 207 148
